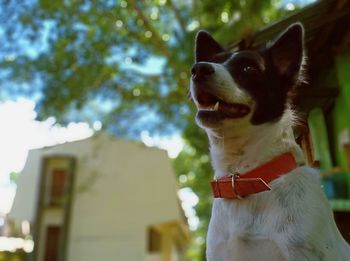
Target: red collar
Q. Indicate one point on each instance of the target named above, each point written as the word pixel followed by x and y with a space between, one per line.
pixel 238 185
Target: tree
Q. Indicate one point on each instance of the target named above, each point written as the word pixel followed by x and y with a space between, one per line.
pixel 88 60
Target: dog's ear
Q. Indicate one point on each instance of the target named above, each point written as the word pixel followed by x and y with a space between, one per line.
pixel 206 46
pixel 286 51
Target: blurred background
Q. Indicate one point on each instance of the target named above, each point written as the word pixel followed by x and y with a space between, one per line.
pixel 100 157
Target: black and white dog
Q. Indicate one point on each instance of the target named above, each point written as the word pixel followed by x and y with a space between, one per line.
pixel 268 206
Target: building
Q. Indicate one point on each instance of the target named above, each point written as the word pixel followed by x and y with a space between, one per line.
pixel 101 199
pixel 323 103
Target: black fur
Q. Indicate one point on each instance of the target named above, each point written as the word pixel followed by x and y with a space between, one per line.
pixel 267 74
pixel 208 47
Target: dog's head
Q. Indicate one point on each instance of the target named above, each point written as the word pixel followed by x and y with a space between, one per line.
pixel 249 85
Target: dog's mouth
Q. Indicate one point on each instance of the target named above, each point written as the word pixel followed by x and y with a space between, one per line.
pixel 210 105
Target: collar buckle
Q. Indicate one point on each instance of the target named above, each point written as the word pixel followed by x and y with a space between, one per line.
pixel 236 175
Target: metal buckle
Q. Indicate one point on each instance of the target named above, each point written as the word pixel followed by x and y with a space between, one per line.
pixel 233 179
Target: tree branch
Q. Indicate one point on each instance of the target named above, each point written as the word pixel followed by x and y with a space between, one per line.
pixel 157 39
pixel 178 16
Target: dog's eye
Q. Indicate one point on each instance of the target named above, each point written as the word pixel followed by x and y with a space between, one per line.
pixel 249 68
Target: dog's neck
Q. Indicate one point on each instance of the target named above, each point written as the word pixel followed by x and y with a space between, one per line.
pixel 243 149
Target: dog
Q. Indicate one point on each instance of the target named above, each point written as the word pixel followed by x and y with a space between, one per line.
pixel 268 204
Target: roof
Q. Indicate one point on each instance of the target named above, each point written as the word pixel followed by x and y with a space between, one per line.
pixel 327 34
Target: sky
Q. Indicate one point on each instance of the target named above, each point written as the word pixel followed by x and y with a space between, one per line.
pixel 20 132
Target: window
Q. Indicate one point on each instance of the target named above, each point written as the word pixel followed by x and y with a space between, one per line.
pixel 52 243
pixel 57 187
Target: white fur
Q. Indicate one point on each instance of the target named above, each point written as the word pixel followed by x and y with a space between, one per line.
pixel 294 220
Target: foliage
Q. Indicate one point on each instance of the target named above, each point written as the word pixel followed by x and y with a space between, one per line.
pixel 88 60
pixel 19 255
pixel 14 177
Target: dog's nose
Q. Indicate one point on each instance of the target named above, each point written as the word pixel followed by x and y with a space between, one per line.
pixel 201 71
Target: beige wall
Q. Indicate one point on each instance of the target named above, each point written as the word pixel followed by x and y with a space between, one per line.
pixel 25 202
pixel 121 188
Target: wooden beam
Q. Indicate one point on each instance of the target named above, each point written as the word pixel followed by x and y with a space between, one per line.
pixel 314 17
pixel 345 42
pixel 306 15
pixel 318 92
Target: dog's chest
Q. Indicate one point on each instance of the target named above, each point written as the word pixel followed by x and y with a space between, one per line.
pixel 259 226
pixel 244 231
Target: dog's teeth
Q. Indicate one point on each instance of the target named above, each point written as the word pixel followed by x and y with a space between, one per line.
pixel 216 106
